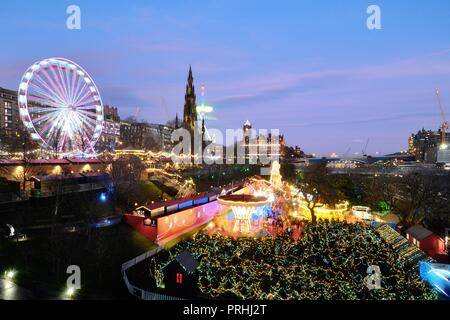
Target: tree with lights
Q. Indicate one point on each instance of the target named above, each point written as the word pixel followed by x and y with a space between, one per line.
pixel 317 188
pixel 329 261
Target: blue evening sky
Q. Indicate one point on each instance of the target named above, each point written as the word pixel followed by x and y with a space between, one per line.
pixel 309 68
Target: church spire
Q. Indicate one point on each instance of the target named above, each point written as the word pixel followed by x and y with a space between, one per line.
pixel 190 105
pixel 190 77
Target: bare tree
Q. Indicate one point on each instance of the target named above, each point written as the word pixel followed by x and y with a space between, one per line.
pixel 126 172
pixel 410 196
pixel 317 188
pixel 131 119
pixel 152 144
pixel 25 146
pixel 55 142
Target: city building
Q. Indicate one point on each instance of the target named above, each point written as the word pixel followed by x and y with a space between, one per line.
pixel 30 172
pixel 272 147
pixel 146 136
pixel 10 123
pixel 426 241
pixel 425 145
pixel 443 155
pixel 110 138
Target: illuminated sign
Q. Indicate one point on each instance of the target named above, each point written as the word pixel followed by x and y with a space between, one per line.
pixel 204 109
pixel 149 222
pixel 437 275
pixel 179 278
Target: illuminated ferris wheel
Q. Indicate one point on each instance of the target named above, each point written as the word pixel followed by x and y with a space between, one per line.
pixel 61 106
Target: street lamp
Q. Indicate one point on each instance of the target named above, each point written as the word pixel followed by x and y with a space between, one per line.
pixel 70 292
pixel 10 274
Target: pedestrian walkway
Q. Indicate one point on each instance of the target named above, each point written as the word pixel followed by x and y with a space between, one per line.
pixel 10 291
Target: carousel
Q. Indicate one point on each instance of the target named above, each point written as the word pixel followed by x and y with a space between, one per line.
pixel 243 207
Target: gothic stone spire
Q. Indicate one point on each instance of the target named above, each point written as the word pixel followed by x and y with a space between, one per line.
pixel 190 112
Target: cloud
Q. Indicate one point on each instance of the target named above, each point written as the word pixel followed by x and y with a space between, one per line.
pixel 12 72
pixel 123 96
pixel 145 46
pixel 275 85
pixel 394 117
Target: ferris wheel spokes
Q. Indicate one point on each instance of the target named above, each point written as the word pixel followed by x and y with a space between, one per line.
pixel 61 106
pixel 49 94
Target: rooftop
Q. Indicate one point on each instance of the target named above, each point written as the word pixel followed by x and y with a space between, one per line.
pixel 418 232
pixel 187 261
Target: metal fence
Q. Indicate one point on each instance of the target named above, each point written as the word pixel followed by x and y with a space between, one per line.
pixel 45 193
pixel 136 291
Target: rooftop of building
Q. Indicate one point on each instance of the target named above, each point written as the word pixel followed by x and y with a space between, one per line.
pixel 187 261
pixel 64 161
pixel 170 203
pixel 8 91
pixel 418 232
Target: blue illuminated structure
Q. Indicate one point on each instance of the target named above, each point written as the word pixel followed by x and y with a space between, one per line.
pixel 186 204
pixel 103 197
pixel 201 201
pixel 437 275
pixel 261 212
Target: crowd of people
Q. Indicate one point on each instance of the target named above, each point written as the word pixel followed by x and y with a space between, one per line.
pixel 329 261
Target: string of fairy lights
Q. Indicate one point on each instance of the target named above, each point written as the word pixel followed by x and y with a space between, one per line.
pixel 329 261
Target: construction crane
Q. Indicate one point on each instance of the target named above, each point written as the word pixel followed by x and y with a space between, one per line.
pixel 365 148
pixel 444 125
pixel 136 113
pixel 166 110
pixel 345 156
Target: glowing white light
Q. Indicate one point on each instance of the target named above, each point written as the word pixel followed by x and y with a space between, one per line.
pixel 65 114
pixel 10 274
pixel 22 99
pixel 70 292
